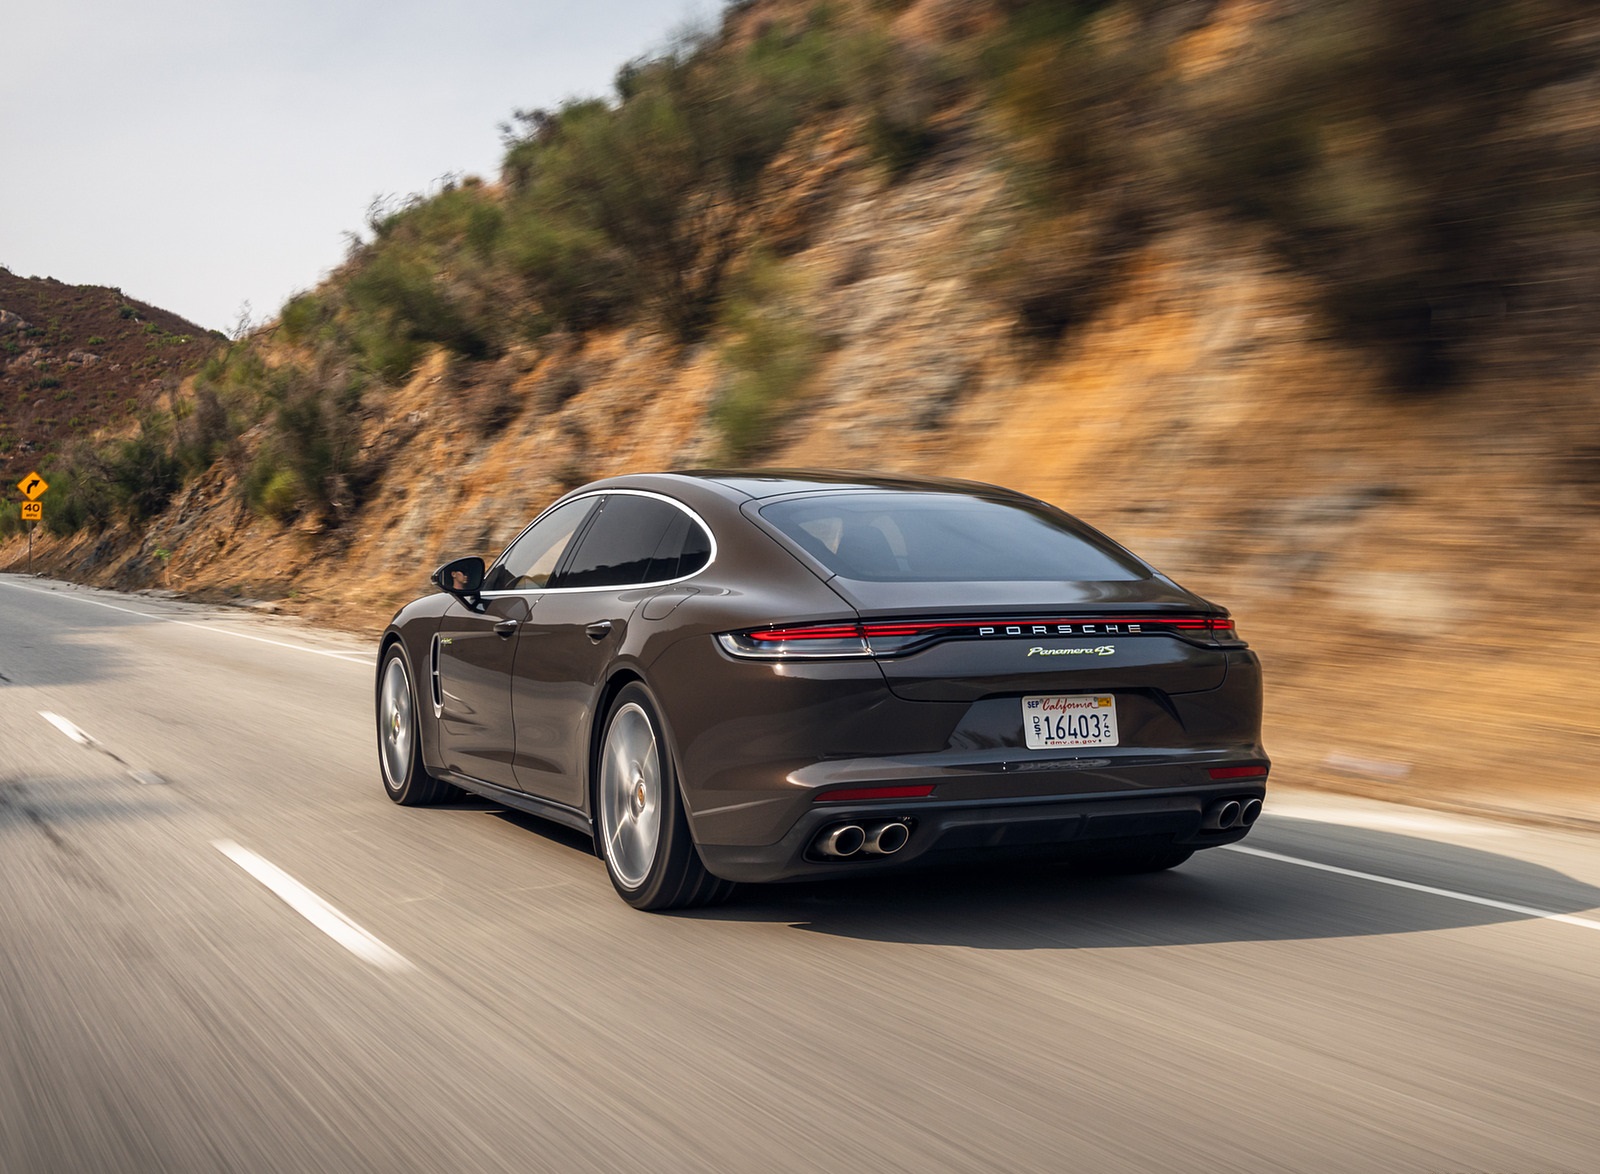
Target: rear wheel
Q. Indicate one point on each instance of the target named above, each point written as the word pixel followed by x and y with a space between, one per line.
pixel 643 833
pixel 405 778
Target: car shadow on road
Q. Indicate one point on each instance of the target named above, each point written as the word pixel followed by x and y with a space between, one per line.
pixel 1218 896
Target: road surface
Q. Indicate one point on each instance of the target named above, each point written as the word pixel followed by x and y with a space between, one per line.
pixel 222 948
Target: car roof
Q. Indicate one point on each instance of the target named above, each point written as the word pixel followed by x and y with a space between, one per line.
pixel 761 484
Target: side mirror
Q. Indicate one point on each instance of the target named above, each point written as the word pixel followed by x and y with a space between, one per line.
pixel 463 579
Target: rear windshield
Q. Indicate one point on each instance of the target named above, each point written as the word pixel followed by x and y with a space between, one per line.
pixel 946 538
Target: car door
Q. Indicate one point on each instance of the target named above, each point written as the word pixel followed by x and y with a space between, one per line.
pixel 634 543
pixel 476 648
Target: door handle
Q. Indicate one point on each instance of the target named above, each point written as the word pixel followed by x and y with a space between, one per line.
pixel 505 628
pixel 599 630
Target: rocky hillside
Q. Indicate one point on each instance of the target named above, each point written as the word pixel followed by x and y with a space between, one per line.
pixel 76 358
pixel 1198 272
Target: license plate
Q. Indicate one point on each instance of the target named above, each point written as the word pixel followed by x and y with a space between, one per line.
pixel 1050 723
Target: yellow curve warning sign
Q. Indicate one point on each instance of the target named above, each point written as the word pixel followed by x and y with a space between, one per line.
pixel 32 486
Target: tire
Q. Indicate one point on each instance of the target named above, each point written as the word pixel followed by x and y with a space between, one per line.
pixel 405 779
pixel 641 831
pixel 1130 858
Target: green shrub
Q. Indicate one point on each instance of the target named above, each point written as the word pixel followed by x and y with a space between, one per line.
pixel 272 491
pixel 623 209
pixel 301 317
pixel 400 292
pixel 314 437
pixel 143 472
pixel 81 496
pixel 202 430
pixel 771 352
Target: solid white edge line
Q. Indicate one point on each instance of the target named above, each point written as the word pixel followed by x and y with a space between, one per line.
pixel 314 909
pixel 67 728
pixel 348 657
pixel 1507 906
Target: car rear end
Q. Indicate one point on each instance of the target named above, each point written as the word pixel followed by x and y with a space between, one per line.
pixel 1000 680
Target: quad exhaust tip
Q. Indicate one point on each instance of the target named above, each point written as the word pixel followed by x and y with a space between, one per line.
pixel 1223 815
pixel 888 839
pixel 1231 813
pixel 849 839
pixel 842 842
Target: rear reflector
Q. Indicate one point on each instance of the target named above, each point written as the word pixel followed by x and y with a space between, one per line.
pixel 1218 773
pixel 860 794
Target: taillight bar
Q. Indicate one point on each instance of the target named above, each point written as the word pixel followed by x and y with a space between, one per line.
pixel 893 637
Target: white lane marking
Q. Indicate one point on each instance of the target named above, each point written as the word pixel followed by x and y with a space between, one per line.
pixel 348 657
pixel 314 909
pixel 75 732
pixel 67 728
pixel 1509 907
pixel 1384 820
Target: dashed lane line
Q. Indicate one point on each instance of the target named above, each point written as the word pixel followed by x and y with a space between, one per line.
pixel 67 728
pixel 1507 906
pixel 347 657
pixel 72 730
pixel 314 909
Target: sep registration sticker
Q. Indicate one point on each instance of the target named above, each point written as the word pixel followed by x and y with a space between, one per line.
pixel 1051 723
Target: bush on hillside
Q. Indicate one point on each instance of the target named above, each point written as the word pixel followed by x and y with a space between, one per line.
pixel 770 351
pixel 1386 145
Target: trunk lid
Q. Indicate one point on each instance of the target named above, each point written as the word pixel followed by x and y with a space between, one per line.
pixel 1038 638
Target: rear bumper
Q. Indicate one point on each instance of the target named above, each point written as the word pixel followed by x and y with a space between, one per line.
pixel 948 831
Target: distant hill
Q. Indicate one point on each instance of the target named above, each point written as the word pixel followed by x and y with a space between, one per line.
pixel 77 358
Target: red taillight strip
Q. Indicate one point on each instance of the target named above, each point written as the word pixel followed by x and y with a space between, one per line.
pixel 1218 773
pixel 916 627
pixel 858 794
pixel 1153 624
pixel 835 632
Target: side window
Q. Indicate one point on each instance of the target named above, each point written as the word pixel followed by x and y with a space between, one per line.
pixel 634 540
pixel 695 552
pixel 531 559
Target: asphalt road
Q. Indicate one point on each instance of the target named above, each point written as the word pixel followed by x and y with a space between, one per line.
pixel 459 989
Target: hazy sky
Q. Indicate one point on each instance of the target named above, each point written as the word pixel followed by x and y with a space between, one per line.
pixel 204 153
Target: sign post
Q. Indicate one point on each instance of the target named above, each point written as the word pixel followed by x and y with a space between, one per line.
pixel 33 487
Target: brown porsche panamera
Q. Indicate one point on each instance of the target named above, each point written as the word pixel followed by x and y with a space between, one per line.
pixel 772 675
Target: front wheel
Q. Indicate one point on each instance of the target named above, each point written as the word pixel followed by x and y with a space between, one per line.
pixel 642 831
pixel 405 778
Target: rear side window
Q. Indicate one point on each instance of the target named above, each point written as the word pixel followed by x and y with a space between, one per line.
pixel 947 538
pixel 636 540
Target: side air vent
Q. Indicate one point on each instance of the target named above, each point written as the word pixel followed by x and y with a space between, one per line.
pixel 433 676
